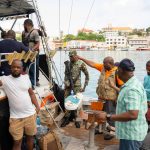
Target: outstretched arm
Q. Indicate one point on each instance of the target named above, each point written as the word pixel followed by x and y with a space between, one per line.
pixel 88 62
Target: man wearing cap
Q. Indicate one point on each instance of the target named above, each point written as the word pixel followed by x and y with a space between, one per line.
pixel 105 92
pixel 131 125
pixel 73 70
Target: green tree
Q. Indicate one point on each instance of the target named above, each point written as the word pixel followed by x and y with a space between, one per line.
pixel 138 32
pixel 81 36
pixel 85 36
pixel 148 31
pixel 69 37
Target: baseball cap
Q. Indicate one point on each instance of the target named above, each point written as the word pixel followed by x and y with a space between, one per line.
pixel 73 53
pixel 127 64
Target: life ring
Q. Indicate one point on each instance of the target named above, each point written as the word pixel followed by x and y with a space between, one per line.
pixel 49 98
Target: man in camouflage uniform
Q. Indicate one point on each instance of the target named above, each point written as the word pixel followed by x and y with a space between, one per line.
pixel 73 82
pixel 76 66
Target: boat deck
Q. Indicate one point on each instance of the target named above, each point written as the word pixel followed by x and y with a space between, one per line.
pixel 77 137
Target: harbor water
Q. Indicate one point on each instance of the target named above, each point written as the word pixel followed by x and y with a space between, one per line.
pixel 138 57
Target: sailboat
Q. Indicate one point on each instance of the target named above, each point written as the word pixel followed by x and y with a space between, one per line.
pixel 18 9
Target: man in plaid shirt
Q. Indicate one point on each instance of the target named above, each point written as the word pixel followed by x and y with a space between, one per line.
pixel 131 125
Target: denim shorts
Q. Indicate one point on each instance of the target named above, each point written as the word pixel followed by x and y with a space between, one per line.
pixel 129 144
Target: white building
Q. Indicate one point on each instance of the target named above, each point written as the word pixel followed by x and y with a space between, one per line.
pixel 85 44
pixel 110 34
pixel 139 42
pixel 113 42
pixel 121 30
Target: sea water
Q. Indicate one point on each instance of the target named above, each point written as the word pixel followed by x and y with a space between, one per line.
pixel 138 57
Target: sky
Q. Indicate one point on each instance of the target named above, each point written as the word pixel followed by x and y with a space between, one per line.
pixel 131 13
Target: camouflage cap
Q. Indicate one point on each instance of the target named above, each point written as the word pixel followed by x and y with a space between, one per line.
pixel 73 53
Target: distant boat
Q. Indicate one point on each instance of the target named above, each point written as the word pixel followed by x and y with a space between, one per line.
pixel 143 49
pixel 122 49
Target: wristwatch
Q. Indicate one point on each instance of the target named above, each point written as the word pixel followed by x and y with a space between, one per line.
pixel 108 117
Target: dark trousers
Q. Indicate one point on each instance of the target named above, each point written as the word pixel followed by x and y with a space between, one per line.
pixel 31 67
pixel 110 108
pixel 6 140
pixel 129 145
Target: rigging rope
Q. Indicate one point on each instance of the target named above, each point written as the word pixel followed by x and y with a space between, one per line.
pixel 70 16
pixel 59 38
pixel 59 20
pixel 88 15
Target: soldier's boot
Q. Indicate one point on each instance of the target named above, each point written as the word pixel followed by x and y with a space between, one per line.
pixel 65 122
pixel 77 124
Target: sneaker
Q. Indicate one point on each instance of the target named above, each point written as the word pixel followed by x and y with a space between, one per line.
pixel 97 132
pixel 65 122
pixel 99 129
pixel 110 128
pixel 37 83
pixel 108 136
pixel 77 124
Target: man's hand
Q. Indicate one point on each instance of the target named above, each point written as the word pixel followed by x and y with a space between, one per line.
pixel 82 90
pixel 79 57
pixel 112 85
pixel 101 116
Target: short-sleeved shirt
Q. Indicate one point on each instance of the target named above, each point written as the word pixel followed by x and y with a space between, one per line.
pixel 33 36
pixel 9 46
pixel 147 86
pixel 19 99
pixel 132 96
pixel 100 67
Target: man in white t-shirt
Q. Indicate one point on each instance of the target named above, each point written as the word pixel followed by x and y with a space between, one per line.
pixel 21 100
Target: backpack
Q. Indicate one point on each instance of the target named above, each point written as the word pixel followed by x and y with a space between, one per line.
pixel 26 40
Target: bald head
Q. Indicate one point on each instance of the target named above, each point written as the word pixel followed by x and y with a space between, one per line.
pixel 16 68
pixel 11 34
pixel 108 63
pixel 17 61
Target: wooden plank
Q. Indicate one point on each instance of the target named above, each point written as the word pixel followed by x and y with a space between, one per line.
pixel 51 105
pixel 59 117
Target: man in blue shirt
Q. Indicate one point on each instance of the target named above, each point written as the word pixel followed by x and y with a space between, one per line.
pixel 147 88
pixel 147 81
pixel 9 45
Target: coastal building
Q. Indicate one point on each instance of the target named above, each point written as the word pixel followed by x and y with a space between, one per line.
pixel 119 30
pixel 110 34
pixel 85 44
pixel 139 42
pixel 56 44
pixel 114 42
pixel 86 30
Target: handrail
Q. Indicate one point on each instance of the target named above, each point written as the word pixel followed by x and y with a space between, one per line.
pixel 25 56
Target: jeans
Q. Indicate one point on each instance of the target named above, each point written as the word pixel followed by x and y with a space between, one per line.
pixel 31 70
pixel 129 144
